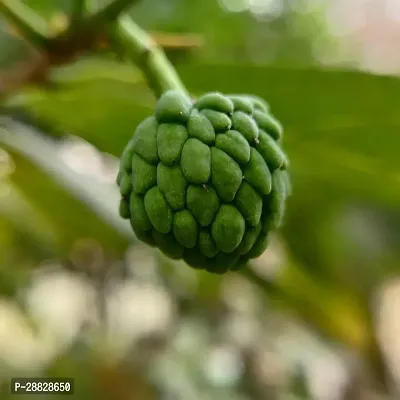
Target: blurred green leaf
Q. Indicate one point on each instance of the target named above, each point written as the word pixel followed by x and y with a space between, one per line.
pixel 94 69
pixel 341 127
pixel 17 210
pixel 16 258
pixel 102 112
pixel 26 239
pixel 48 8
pixel 61 201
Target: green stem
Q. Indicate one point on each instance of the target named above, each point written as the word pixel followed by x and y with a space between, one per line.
pixel 80 9
pixel 111 11
pixel 31 25
pixel 143 51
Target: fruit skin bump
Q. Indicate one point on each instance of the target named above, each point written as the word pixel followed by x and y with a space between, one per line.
pixel 206 181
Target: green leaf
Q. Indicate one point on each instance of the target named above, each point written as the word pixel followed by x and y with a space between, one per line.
pixel 95 69
pixel 19 251
pixel 112 111
pixel 24 217
pixel 61 199
pixel 48 8
pixel 340 126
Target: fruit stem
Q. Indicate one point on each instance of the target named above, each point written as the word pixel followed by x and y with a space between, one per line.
pixel 138 46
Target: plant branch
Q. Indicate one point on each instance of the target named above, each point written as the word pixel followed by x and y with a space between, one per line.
pixel 140 48
pixel 79 10
pixel 32 27
pixel 94 23
pixel 83 35
pixel 86 33
pixel 111 11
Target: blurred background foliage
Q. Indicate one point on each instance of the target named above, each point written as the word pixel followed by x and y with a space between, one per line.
pixel 316 317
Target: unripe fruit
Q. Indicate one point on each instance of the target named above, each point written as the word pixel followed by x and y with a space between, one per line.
pixel 207 181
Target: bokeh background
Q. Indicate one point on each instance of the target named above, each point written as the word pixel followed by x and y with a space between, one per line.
pixel 316 317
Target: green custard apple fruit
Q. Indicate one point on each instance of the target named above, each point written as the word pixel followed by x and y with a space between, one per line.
pixel 206 181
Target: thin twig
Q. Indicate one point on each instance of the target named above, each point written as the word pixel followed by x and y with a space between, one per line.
pixel 92 25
